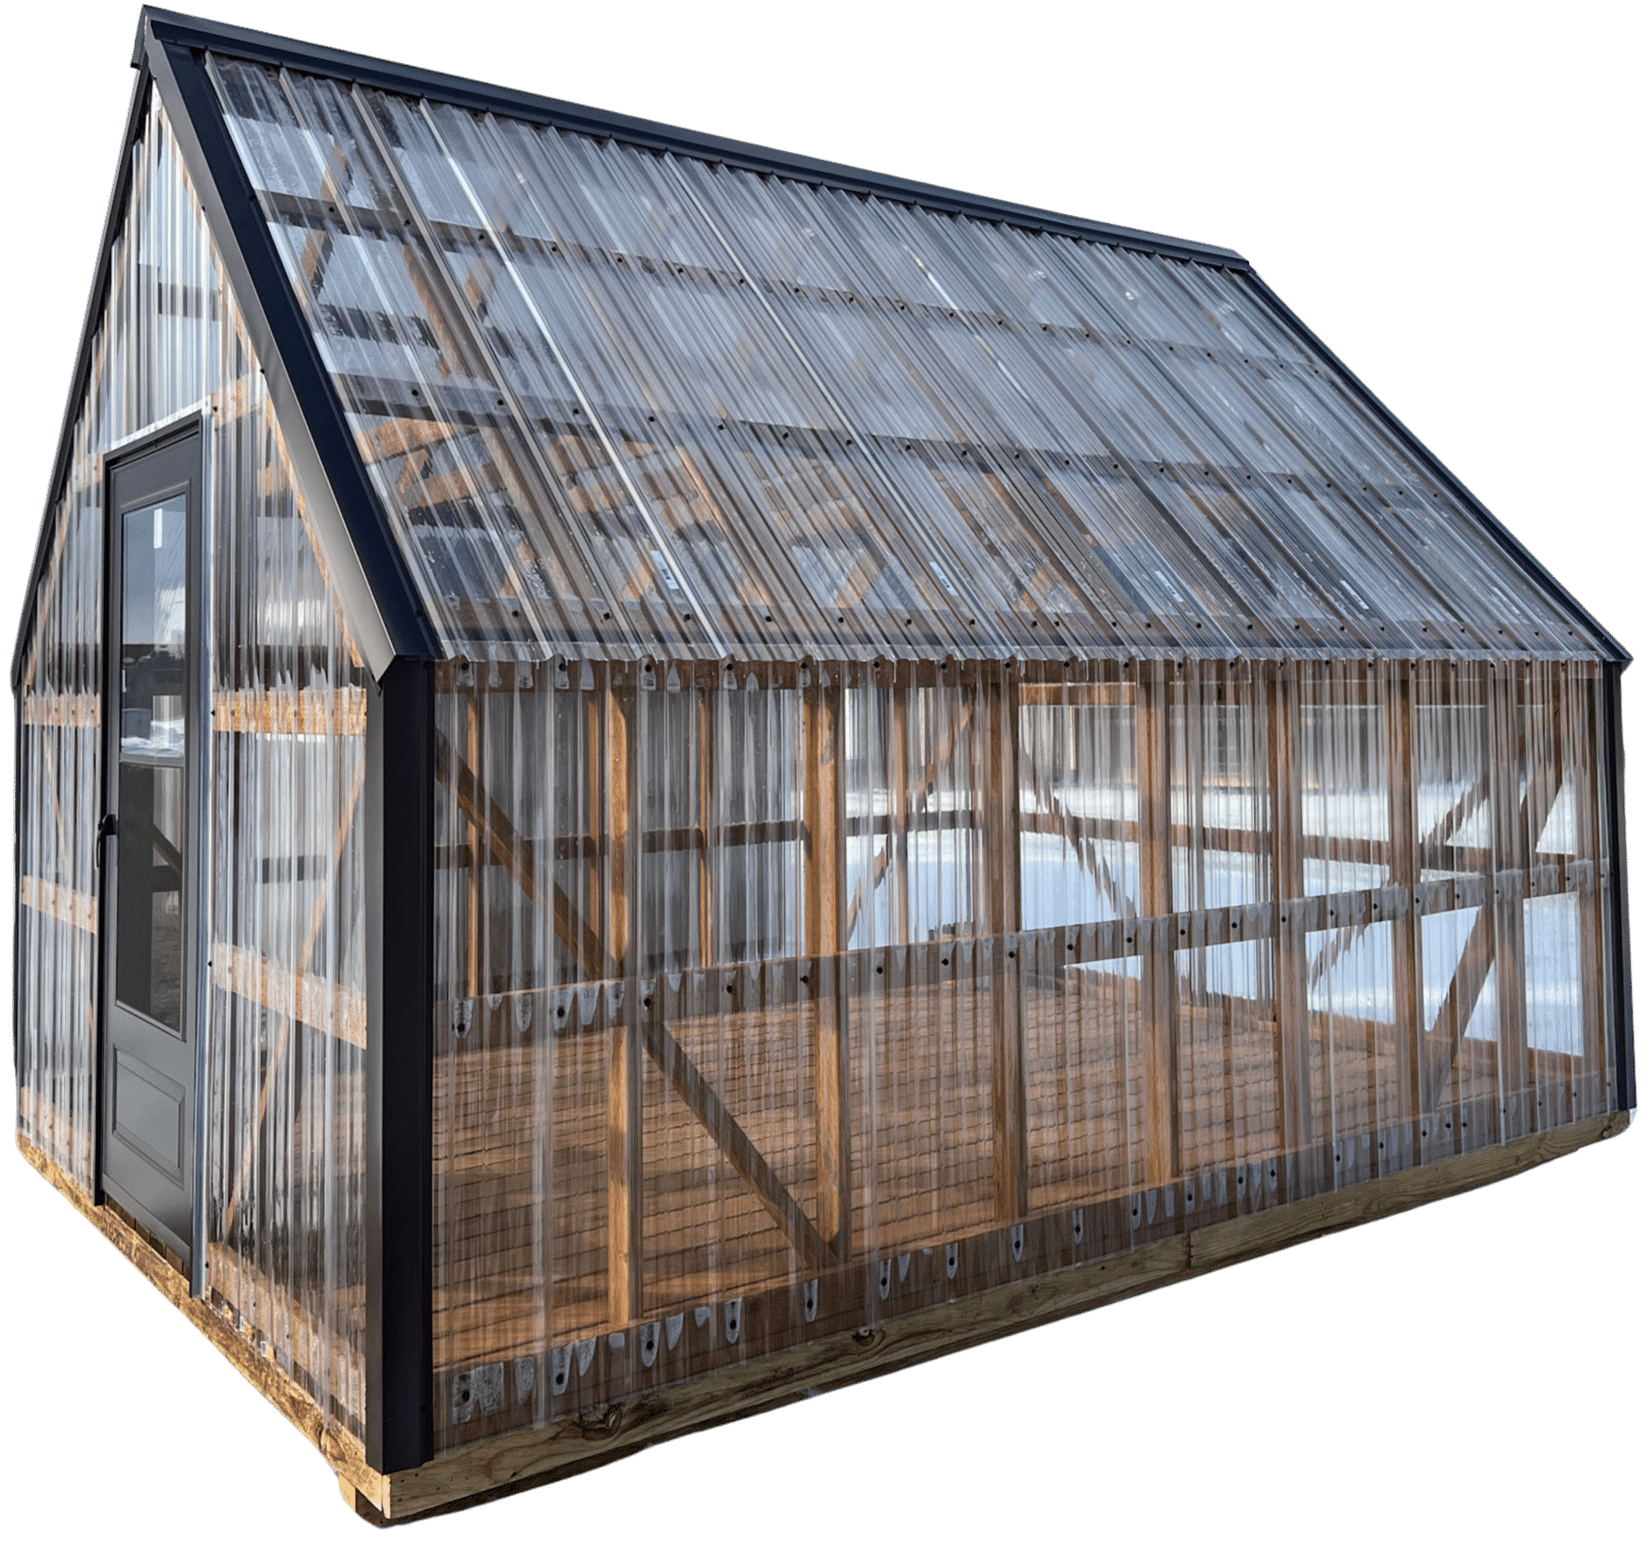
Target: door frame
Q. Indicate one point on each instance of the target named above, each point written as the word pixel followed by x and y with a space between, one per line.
pixel 192 423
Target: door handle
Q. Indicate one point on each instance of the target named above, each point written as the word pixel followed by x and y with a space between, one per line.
pixel 106 827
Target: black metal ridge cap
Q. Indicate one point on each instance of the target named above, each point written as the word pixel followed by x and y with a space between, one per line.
pixel 264 47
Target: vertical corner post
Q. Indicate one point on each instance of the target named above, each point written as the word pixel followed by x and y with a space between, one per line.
pixel 399 804
pixel 1620 1004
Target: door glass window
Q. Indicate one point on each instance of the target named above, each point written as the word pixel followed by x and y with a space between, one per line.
pixel 153 702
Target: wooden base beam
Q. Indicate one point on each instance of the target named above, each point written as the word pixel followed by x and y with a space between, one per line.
pixel 520 1459
pixel 330 1438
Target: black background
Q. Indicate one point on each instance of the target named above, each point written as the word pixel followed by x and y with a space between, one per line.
pixel 1452 222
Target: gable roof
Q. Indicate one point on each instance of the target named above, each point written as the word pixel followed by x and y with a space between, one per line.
pixel 562 382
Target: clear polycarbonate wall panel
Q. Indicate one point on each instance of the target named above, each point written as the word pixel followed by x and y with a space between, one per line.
pixel 285 1033
pixel 919 763
pixel 58 790
pixel 774 1000
pixel 622 402
pixel 1513 791
pixel 643 1091
pixel 286 1139
pixel 1216 755
pixel 1078 800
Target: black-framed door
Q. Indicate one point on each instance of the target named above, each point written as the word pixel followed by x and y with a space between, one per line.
pixel 150 835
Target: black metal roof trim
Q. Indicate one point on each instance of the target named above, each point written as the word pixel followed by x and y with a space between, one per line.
pixel 196 33
pixel 82 367
pixel 1495 528
pixel 379 587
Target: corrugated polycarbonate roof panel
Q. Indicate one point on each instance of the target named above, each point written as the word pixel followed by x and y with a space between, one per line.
pixel 625 402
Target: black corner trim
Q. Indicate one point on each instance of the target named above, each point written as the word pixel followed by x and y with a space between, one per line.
pixel 17 909
pixel 1622 1002
pixel 181 77
pixel 399 792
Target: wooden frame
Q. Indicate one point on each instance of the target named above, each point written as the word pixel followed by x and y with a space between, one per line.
pixel 639 1008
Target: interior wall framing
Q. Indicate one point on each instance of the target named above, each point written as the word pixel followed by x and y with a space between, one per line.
pixel 1120 949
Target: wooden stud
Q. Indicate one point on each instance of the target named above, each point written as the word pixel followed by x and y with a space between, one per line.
pixel 899 764
pixel 1405 871
pixel 1290 951
pixel 706 831
pixel 1519 745
pixel 477 867
pixel 1162 1103
pixel 1001 910
pixel 1585 730
pixel 822 732
pixel 625 1106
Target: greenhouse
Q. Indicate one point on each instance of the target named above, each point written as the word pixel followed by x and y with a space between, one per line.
pixel 652 773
